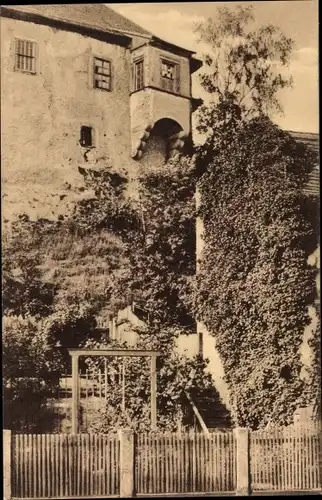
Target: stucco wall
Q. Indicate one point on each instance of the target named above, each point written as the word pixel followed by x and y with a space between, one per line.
pixel 313 311
pixel 42 115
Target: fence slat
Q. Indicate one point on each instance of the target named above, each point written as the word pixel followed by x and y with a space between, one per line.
pixel 294 462
pixel 112 445
pixel 305 476
pixel 18 466
pixel 25 463
pixel 104 490
pixel 146 487
pixel 314 454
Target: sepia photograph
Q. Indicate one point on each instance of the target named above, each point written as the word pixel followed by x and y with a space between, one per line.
pixel 160 189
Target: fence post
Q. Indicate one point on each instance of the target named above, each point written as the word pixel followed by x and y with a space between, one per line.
pixel 242 461
pixel 7 464
pixel 126 437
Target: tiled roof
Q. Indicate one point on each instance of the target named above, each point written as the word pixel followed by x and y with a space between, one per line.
pixel 95 16
pixel 312 141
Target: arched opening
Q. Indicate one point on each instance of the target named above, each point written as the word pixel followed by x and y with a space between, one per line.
pixel 159 143
pixel 165 128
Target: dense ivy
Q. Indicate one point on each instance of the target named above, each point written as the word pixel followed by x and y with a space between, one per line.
pixel 254 284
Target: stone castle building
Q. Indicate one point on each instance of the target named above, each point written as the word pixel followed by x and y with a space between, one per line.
pixel 82 86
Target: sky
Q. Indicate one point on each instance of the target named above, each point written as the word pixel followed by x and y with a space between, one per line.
pixel 298 19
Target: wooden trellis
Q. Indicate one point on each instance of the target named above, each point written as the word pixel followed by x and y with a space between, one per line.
pixel 75 355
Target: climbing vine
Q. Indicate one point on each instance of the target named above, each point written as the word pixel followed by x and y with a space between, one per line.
pixel 254 284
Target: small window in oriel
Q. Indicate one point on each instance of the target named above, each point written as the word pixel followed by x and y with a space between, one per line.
pixel 170 79
pixel 102 74
pixel 168 70
pixel 25 56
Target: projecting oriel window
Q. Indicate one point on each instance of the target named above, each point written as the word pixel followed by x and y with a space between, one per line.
pixel 102 74
pixel 86 136
pixel 170 77
pixel 139 75
pixel 26 56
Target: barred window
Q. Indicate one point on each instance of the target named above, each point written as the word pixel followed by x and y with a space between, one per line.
pixel 102 74
pixel 139 75
pixel 25 56
pixel 170 77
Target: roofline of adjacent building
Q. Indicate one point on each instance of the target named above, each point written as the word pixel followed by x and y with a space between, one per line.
pixel 301 133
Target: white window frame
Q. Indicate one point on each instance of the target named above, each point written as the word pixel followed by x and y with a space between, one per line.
pixel 35 69
pixel 106 60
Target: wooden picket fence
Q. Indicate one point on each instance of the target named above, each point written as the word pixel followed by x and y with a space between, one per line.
pixel 286 458
pixel 62 465
pixel 188 463
pixel 185 463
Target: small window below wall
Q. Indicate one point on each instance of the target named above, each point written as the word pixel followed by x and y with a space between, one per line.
pixel 26 56
pixel 86 137
pixel 102 74
pixel 170 76
pixel 139 75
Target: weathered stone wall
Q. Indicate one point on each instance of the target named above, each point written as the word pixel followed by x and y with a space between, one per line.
pixel 42 115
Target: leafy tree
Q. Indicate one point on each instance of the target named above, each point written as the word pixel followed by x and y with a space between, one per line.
pixel 31 367
pixel 254 284
pixel 24 292
pixel 109 207
pixel 160 250
pixel 158 238
pixel 243 68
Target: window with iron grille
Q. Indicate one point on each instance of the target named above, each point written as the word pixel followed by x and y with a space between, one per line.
pixel 170 77
pixel 25 56
pixel 102 74
pixel 139 75
pixel 86 136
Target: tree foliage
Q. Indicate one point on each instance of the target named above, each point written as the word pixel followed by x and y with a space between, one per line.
pixel 243 67
pixel 31 367
pixel 176 376
pixel 255 284
pixel 153 263
pixel 161 247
